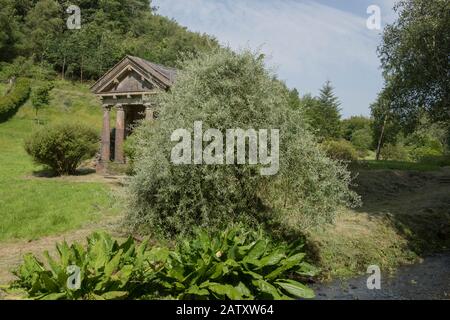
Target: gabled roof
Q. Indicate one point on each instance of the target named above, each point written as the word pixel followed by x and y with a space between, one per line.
pixel 160 76
pixel 167 72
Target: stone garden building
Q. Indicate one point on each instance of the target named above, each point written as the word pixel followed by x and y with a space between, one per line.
pixel 129 89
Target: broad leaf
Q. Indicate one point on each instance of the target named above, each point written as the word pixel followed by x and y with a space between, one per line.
pixel 296 288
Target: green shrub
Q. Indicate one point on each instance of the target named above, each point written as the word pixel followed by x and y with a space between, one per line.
pixel 226 90
pixel 10 103
pixel 107 270
pixel 340 150
pixel 440 160
pixel 234 264
pixel 394 152
pixel 429 139
pixel 63 146
pixel 129 149
pixel 362 139
pixel 427 147
pixel 26 68
pixel 40 97
pixel 353 124
pixel 420 153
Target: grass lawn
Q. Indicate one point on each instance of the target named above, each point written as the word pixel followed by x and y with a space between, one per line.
pixel 31 207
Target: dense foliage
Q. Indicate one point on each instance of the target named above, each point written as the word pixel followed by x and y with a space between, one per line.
pixel 226 90
pixel 323 113
pixel 355 124
pixel 414 55
pixel 234 264
pixel 62 146
pixel 107 270
pixel 340 150
pixel 237 265
pixel 109 30
pixel 40 97
pixel 10 103
pixel 394 152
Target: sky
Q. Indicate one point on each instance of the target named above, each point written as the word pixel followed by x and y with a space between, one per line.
pixel 306 42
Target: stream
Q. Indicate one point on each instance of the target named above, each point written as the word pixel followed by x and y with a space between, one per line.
pixel 429 279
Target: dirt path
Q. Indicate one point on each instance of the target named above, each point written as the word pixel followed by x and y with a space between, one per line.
pixel 11 252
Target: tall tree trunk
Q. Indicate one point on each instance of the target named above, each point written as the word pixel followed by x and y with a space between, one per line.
pixel 81 70
pixel 380 139
pixel 36 116
pixel 63 68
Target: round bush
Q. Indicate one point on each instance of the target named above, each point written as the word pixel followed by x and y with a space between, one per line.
pixel 63 146
pixel 226 90
pixel 362 139
pixel 394 152
pixel 421 153
pixel 340 150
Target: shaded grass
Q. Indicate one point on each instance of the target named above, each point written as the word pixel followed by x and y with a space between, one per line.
pixel 395 165
pixel 31 208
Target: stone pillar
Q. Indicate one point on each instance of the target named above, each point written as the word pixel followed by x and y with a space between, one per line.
pixel 106 141
pixel 148 112
pixel 120 135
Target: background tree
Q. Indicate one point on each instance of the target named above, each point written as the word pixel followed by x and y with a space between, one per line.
pixel 323 113
pixel 43 23
pixel 385 127
pixel 40 97
pixel 415 60
pixel 9 31
pixel 294 99
pixel 110 29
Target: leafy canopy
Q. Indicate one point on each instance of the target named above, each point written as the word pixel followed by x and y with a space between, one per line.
pixel 109 30
pixel 415 60
pixel 323 113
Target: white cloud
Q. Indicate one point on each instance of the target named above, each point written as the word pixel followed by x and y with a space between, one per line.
pixel 308 42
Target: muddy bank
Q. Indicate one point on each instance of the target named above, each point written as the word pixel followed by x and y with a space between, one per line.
pixel 429 279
